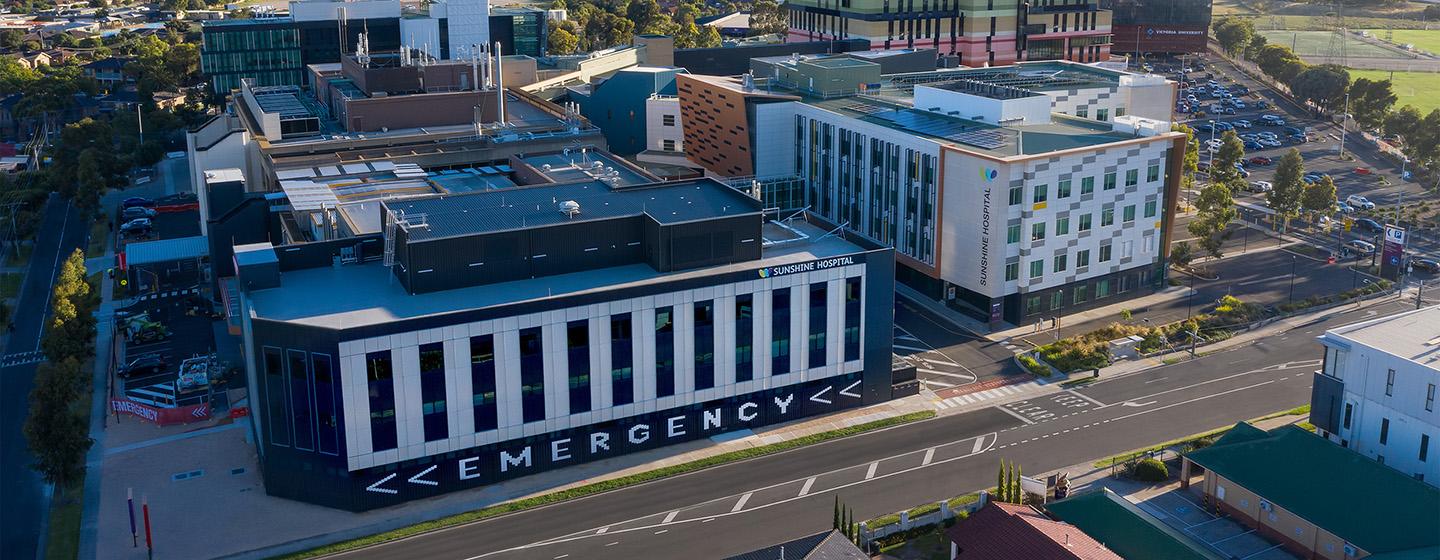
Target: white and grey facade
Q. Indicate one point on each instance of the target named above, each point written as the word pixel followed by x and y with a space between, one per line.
pixel 1376 391
pixel 397 387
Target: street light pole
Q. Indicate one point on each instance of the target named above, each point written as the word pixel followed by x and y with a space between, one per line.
pixel 1210 147
pixel 1344 121
pixel 1293 259
pixel 1190 299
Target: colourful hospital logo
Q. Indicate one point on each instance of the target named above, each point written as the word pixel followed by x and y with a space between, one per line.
pixel 988 174
pixel 764 273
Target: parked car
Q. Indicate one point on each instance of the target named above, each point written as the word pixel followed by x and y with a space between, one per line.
pixel 1244 173
pixel 1261 160
pixel 1344 208
pixel 1428 265
pixel 1253 145
pixel 1203 167
pixel 135 212
pixel 1367 224
pixel 138 226
pixel 1241 123
pixel 1362 171
pixel 1261 186
pixel 1223 126
pixel 1294 130
pixel 136 201
pixel 1298 138
pixel 149 363
pixel 1268 142
pixel 1226 111
pixel 1359 202
pixel 1361 247
pixel 1272 120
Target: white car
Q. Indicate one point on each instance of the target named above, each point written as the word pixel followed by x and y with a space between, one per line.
pixel 1261 186
pixel 1361 202
pixel 1344 208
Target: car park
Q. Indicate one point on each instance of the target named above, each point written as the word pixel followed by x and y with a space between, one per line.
pixel 1261 186
pixel 1367 224
pixel 1359 202
pixel 1361 247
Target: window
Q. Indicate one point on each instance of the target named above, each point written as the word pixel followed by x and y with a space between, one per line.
pixel 1087 185
pixel 380 383
pixel 852 319
pixel 1127 249
pixel 1150 208
pixel 1105 254
pixel 1384 430
pixel 1349 409
pixel 1132 177
pixel 1041 193
pixel 1057 299
pixel 1390 383
pixel 1102 289
pixel 667 120
pixel 1084 222
pixel 1107 217
pixel 1082 112
pixel 1082 258
pixel 482 382
pixel 1032 305
pixel 1102 114
pixel 1424 447
pixel 1119 111
pixel 1080 294
pixel 1129 213
pixel 780 331
pixel 1012 271
pixel 817 325
pixel 577 349
pixel 1037 269
pixel 664 351
pixel 1060 263
pixel 1109 181
pixel 300 399
pixel 1037 231
pixel 1152 174
pixel 1017 195
pixel 704 325
pixel 1062 226
pixel 622 360
pixel 276 403
pixel 1430 397
pixel 532 376
pixel 744 348
pixel 433 417
pixel 1063 189
pixel 1012 233
pixel 667 145
pixel 329 442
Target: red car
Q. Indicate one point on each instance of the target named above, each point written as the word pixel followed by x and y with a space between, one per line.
pixel 1261 160
pixel 1362 171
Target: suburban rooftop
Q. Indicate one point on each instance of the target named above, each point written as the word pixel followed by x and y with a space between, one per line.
pixel 1413 335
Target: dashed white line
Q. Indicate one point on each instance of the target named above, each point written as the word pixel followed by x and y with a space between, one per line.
pixel 806 488
pixel 613 543
pixel 741 504
pixel 662 531
pixel 1015 414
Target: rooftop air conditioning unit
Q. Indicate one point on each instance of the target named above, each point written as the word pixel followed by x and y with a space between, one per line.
pixel 570 208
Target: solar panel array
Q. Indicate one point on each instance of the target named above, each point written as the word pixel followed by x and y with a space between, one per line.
pixel 865 108
pixel 990 139
pixel 951 129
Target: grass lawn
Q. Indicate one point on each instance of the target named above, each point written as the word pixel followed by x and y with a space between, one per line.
pixel 10 284
pixel 930 546
pixel 63 542
pixel 1422 39
pixel 99 236
pixel 1316 43
pixel 1413 88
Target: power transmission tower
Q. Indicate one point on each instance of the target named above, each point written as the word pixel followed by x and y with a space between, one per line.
pixel 1335 51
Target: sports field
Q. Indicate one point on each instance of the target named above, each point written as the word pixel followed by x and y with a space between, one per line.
pixel 1314 44
pixel 1413 88
pixel 1426 40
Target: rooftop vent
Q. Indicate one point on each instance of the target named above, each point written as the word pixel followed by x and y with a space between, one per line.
pixel 570 208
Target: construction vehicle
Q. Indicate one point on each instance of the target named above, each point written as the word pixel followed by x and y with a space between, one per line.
pixel 141 330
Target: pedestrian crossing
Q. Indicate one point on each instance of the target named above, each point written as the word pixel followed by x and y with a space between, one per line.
pixel 169 293
pixel 22 358
pixel 979 396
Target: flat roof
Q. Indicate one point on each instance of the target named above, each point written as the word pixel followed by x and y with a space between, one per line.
pixel 1124 528
pixel 1413 335
pixel 1312 478
pixel 588 165
pixel 367 294
pixel 538 206
pixel 166 250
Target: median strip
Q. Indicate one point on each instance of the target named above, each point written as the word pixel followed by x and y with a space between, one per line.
pixel 607 486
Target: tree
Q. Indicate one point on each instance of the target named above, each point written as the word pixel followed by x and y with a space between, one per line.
pixel 1017 495
pixel 836 523
pixel 11 38
pixel 1000 486
pixel 1191 163
pixel 562 41
pixel 1279 62
pixel 1234 34
pixel 1403 120
pixel 14 77
pixel 1181 254
pixel 767 16
pixel 1371 100
pixel 57 436
pixel 644 14
pixel 1285 193
pixel 1319 198
pixel 1225 169
pixel 709 37
pixel 1215 210
pixel 1323 85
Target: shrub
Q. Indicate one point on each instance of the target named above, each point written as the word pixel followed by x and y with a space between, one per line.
pixel 1034 367
pixel 1150 470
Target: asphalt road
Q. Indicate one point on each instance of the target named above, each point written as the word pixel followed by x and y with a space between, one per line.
pixel 62 230
pixel 945 355
pixel 742 506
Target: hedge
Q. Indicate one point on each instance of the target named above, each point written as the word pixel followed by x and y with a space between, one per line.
pixel 1035 368
pixel 1150 470
pixel 607 485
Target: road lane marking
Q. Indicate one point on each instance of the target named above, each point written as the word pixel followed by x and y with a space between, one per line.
pixel 741 504
pixel 979 443
pixel 562 556
pixel 670 516
pixel 613 543
pixel 662 531
pixel 806 488
pixel 1263 280
pixel 869 474
pixel 1015 414
pixel 904 347
pixel 1156 379
pixel 945 373
pixel 930 454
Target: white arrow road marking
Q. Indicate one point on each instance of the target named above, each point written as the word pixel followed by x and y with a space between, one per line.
pixel 376 487
pixel 816 396
pixel 416 479
pixel 846 391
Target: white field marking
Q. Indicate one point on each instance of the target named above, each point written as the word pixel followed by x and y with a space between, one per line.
pixel 1261 552
pixel 1233 536
pixel 991 437
pixel 1015 414
pixel 930 455
pixel 1137 404
pixel 869 474
pixel 806 488
pixel 562 556
pixel 739 505
pixel 1086 397
pixel 707 520
pixel 671 516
